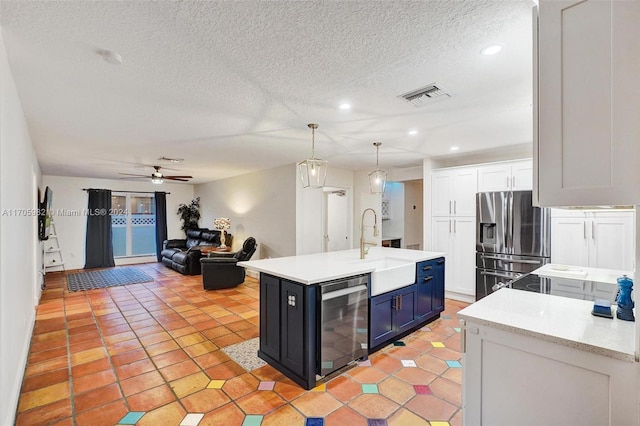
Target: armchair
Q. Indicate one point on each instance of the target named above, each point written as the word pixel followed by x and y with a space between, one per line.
pixel 219 270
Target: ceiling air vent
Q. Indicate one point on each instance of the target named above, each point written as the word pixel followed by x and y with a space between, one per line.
pixel 425 95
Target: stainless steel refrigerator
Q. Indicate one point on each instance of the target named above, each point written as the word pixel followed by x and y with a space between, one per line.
pixel 512 238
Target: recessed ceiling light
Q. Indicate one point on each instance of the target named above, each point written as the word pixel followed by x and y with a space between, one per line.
pixel 345 106
pixel 491 50
pixel 454 148
pixel 413 132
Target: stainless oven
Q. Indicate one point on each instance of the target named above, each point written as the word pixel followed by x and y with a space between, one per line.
pixel 344 312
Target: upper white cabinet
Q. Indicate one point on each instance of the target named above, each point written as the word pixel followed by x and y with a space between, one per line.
pixel 587 88
pixel 603 239
pixel 453 191
pixel 514 176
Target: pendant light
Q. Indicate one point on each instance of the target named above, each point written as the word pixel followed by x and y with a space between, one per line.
pixel 313 171
pixel 377 178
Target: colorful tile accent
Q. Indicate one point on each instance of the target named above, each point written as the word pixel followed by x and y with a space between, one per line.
pixel 361 330
pixel 457 329
pixel 437 344
pixel 446 316
pixel 370 388
pixel 425 328
pixel 192 419
pixel 252 420
pixel 454 364
pixel 216 384
pixel 408 363
pixel 439 423
pixel 131 418
pixel 314 421
pixel 320 388
pixel 422 390
pixel 266 386
pixel 376 422
pixel 399 343
pixel 366 363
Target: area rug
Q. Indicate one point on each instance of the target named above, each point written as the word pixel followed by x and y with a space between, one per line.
pixel 246 354
pixel 106 278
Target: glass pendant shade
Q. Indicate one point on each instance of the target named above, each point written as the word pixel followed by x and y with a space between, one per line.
pixel 377 181
pixel 157 180
pixel 313 171
pixel 377 178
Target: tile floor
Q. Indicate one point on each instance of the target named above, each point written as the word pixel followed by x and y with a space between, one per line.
pixel 149 354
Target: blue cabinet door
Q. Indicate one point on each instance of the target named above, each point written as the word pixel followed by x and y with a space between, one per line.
pixel 270 315
pixel 424 289
pixel 292 327
pixel 438 286
pixel 381 318
pixel 405 308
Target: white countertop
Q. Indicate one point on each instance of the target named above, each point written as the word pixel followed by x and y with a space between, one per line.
pixel 555 319
pixel 582 273
pixel 320 267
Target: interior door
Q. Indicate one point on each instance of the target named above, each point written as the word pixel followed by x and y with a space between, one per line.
pixel 336 237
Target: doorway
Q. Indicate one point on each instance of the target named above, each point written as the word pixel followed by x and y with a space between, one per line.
pixel 337 219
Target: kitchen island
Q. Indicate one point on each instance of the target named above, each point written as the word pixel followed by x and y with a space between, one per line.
pixel 396 291
pixel 535 359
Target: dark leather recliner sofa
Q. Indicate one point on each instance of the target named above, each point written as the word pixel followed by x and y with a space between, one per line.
pixel 220 270
pixel 183 255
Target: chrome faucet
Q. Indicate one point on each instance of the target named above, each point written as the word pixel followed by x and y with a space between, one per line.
pixel 364 243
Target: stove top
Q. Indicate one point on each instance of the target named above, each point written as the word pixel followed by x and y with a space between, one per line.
pixel 566 287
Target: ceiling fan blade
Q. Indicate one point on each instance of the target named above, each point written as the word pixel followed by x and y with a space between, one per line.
pixel 178 176
pixel 130 174
pixel 175 178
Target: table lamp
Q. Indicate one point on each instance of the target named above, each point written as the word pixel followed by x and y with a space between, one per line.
pixel 222 224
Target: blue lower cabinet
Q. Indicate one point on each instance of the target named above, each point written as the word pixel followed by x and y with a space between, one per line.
pixel 430 288
pixel 390 314
pixel 438 286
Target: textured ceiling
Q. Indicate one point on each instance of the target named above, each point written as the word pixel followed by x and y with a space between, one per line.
pixel 231 86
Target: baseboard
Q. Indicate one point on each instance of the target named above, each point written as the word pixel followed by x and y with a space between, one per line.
pixel 460 297
pixel 253 274
pixel 14 394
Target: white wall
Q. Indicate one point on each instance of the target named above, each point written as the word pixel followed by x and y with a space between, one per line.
pixel 394 226
pixel 68 196
pixel 19 247
pixel 260 205
pixel 310 210
pixel 413 213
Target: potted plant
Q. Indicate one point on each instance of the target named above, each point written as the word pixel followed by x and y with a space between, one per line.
pixel 189 214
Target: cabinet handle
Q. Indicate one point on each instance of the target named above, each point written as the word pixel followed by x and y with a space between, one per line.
pixel 429 278
pixel 449 225
pixel 593 230
pixel 427 268
pixel 394 306
pixel 400 300
pixel 449 206
pixel 454 207
pixel 440 262
pixel 454 226
pixel 584 230
pixel 507 182
pixel 513 182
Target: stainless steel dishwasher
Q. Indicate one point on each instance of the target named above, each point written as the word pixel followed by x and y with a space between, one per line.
pixel 344 324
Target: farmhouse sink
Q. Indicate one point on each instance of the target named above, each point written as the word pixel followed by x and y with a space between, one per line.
pixel 390 274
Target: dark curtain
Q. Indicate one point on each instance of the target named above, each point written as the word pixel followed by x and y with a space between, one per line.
pixel 161 222
pixel 99 247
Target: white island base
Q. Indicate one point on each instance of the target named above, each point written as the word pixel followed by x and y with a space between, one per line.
pixel 535 359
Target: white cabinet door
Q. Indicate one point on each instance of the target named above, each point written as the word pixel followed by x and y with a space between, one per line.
pixel 441 196
pixel 465 186
pixel 588 103
pixel 441 242
pixel 569 241
pixel 611 242
pixel 464 255
pixel 494 178
pixel 522 175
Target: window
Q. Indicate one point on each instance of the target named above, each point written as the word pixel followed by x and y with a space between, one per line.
pixel 133 223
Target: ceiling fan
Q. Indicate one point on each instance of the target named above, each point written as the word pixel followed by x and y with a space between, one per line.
pixel 158 177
